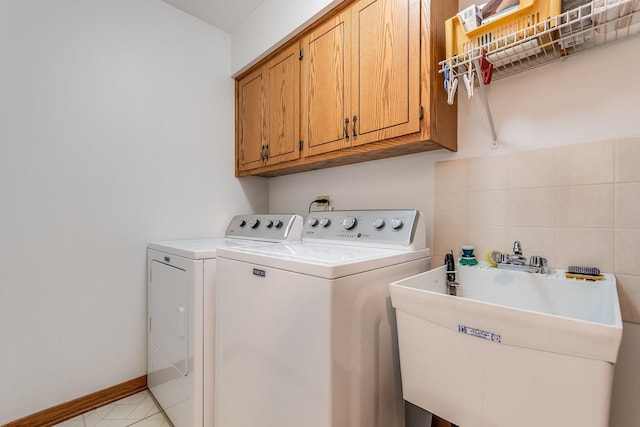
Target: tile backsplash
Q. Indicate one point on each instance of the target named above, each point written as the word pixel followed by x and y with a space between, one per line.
pixel 575 205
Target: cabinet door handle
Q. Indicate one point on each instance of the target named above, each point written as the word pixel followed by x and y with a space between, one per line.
pixel 355 133
pixel 262 153
pixel 346 128
pixel 266 152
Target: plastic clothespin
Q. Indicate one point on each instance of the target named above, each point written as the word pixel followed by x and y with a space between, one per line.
pixel 452 91
pixel 447 75
pixel 468 79
pixel 486 68
pixel 450 84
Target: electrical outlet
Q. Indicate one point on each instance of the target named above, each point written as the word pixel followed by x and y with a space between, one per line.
pixel 323 205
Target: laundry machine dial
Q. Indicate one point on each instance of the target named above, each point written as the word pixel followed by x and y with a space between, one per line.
pixel 254 223
pixel 313 221
pixel 396 223
pixel 325 222
pixel 277 223
pixel 349 222
pixel 378 223
pixel 268 224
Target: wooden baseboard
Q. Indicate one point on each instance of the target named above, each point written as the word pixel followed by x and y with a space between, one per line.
pixel 75 407
pixel 439 422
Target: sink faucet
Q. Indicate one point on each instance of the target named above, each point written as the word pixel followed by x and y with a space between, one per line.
pixel 452 285
pixel 517 261
pixel 517 258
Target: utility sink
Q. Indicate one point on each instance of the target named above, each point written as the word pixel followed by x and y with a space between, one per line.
pixel 511 349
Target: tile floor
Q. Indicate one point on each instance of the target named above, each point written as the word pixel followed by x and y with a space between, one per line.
pixel 138 410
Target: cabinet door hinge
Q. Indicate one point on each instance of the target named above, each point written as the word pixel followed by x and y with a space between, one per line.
pixel 421 112
pixel 300 54
pixel 301 144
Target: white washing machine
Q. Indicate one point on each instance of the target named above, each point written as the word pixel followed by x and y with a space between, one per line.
pixel 181 286
pixel 306 330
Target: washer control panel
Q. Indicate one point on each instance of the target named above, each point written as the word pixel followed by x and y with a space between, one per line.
pixel 388 227
pixel 267 227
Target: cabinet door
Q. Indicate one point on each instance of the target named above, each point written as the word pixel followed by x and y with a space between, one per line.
pixel 325 87
pixel 283 107
pixel 252 123
pixel 386 69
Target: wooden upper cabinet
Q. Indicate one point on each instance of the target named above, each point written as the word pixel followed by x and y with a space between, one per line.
pixel 326 95
pixel 283 107
pixel 251 125
pixel 386 69
pixel 361 76
pixel 268 113
pixel 360 84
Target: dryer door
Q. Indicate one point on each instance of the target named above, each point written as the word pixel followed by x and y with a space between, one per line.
pixel 169 314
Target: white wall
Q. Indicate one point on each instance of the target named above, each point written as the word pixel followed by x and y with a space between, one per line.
pixel 271 25
pixel 592 96
pixel 116 128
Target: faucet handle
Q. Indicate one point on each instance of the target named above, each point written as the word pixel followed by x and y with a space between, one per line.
pixel 540 262
pixel 537 261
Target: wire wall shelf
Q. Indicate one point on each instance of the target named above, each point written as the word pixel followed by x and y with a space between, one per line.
pixel 589 25
pixel 574 31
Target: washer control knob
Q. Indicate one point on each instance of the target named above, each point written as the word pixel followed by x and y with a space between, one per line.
pixel 254 223
pixel 396 223
pixel 268 224
pixel 378 223
pixel 277 223
pixel 325 222
pixel 349 222
pixel 313 221
pixel 243 223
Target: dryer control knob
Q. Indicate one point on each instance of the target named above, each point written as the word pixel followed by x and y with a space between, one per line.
pixel 243 223
pixel 396 223
pixel 313 221
pixel 325 222
pixel 349 222
pixel 277 223
pixel 268 224
pixel 254 223
pixel 378 223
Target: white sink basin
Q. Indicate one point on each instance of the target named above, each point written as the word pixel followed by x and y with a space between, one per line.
pixel 512 349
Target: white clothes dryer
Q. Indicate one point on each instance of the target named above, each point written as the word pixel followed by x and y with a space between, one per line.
pixel 181 289
pixel 306 330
